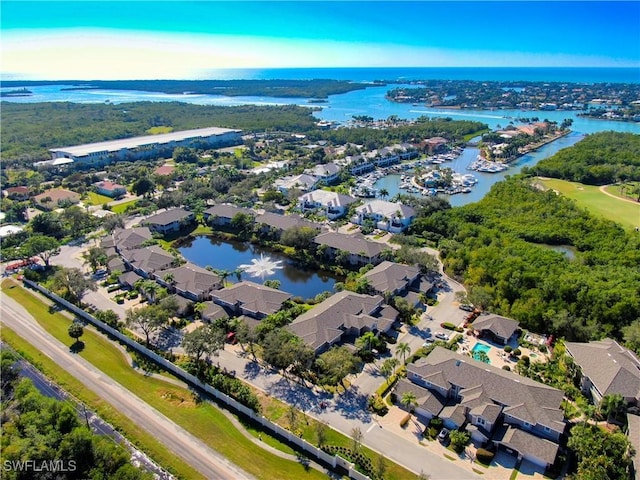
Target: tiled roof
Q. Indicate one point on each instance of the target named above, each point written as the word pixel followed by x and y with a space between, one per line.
pixel 110 186
pixel 327 199
pixel 354 243
pixel 391 276
pixel 610 367
pixel 253 297
pixel 386 209
pixel 522 397
pixel 500 326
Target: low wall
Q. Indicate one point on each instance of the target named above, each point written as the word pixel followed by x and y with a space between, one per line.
pixel 312 450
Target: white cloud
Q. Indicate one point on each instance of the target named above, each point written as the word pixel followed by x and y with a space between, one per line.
pixel 119 54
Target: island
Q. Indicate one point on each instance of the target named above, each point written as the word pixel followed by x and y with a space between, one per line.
pixel 22 92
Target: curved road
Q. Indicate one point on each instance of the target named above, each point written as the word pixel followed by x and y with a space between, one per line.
pixel 187 447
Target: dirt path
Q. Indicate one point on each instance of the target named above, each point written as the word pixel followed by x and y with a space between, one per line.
pixel 602 189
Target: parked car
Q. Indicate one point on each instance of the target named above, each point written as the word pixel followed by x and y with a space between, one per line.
pixel 427 342
pixel 443 435
pixel 467 308
pixel 442 336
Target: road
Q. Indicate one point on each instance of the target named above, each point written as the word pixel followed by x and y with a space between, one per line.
pixel 184 445
pixel 97 425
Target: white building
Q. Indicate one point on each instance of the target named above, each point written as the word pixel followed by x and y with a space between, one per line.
pixel 302 182
pixel 390 216
pixel 327 173
pixel 149 146
pixel 330 204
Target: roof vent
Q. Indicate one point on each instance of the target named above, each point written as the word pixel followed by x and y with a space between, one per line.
pixel 458 363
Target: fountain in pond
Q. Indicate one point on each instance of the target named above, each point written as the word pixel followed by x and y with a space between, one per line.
pixel 261 267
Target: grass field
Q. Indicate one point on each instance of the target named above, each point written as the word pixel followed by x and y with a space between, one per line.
pixel 94 198
pixel 615 190
pixel 202 419
pixel 596 202
pixel 157 130
pixel 121 207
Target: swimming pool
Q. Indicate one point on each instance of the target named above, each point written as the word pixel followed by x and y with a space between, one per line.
pixel 481 347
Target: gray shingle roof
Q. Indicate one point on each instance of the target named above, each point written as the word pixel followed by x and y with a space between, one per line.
pixel 610 367
pixel 386 209
pixel 522 397
pixel 328 199
pixel 427 400
pixel 194 279
pixel 284 222
pixel 127 239
pixel 325 323
pixel 253 297
pixel 355 243
pixel 391 276
pixel 500 326
pixel 149 259
pixel 527 444
pixel 168 217
pixel 129 278
pixel 226 210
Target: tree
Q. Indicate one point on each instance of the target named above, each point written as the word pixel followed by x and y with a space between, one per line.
pixel 95 257
pixel 205 340
pixel 73 283
pixel 292 417
pixel 272 284
pixel 75 330
pixel 459 440
pixel 321 433
pixel 49 224
pixel 606 454
pixel 242 223
pixel 198 309
pixel 111 222
pixel 244 334
pixel 298 237
pixel 389 367
pixel 409 400
pixel 43 247
pixel 481 356
pixel 384 193
pixel 381 466
pixel 185 155
pixel 150 290
pixel 143 186
pixel 365 341
pixel 611 405
pixel 109 317
pixel 356 439
pixel 631 335
pixel 335 364
pixel 147 319
pixel 402 350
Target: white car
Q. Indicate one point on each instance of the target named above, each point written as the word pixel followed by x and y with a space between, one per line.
pixel 442 336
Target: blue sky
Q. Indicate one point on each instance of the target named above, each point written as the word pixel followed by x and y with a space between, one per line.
pixel 182 39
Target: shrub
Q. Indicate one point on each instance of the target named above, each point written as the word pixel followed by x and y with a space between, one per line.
pixel 132 294
pixel 484 456
pixel 459 440
pixel 517 352
pixel 508 349
pixel 431 301
pixel 377 405
pixel 448 325
pixel 459 329
pixel 543 349
pixel 506 367
pixel 436 422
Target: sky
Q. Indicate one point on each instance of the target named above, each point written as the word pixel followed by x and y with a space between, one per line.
pixel 165 39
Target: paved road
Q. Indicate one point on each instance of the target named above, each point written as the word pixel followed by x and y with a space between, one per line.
pixel 191 450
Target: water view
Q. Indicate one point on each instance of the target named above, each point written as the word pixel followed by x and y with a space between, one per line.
pixel 257 265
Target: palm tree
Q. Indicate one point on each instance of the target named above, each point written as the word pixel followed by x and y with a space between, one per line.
pixel 384 193
pixel 198 309
pixel 150 290
pixel 365 342
pixel 402 350
pixel 409 400
pixel 610 405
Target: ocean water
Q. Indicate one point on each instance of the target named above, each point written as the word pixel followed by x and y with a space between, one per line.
pixel 537 74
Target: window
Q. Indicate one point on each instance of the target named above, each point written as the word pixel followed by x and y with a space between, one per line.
pixel 480 421
pixel 526 425
pixel 547 429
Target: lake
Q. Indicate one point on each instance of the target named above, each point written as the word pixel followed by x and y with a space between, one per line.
pixel 229 255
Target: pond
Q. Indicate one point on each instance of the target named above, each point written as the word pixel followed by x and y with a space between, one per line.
pixel 259 263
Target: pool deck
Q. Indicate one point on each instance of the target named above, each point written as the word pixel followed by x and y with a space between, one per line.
pixel 497 356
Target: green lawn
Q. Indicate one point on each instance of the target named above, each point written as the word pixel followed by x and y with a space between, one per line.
pixel 121 207
pixel 94 198
pixel 592 199
pixel 628 187
pixel 160 129
pixel 202 419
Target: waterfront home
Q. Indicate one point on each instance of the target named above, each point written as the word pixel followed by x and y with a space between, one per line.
pixel 129 279
pixel 276 224
pixel 304 183
pixel 251 299
pixel 110 189
pixel 164 171
pixel 56 198
pixel 172 220
pixel 405 151
pixel 128 238
pixel 393 217
pixel 190 281
pixel 223 213
pixel 392 277
pixel 500 329
pixel 326 174
pixel 357 249
pixel 359 164
pixel 606 368
pixel 148 260
pixel 433 145
pixel 145 147
pixel 329 204
pixel 345 315
pixel 516 413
